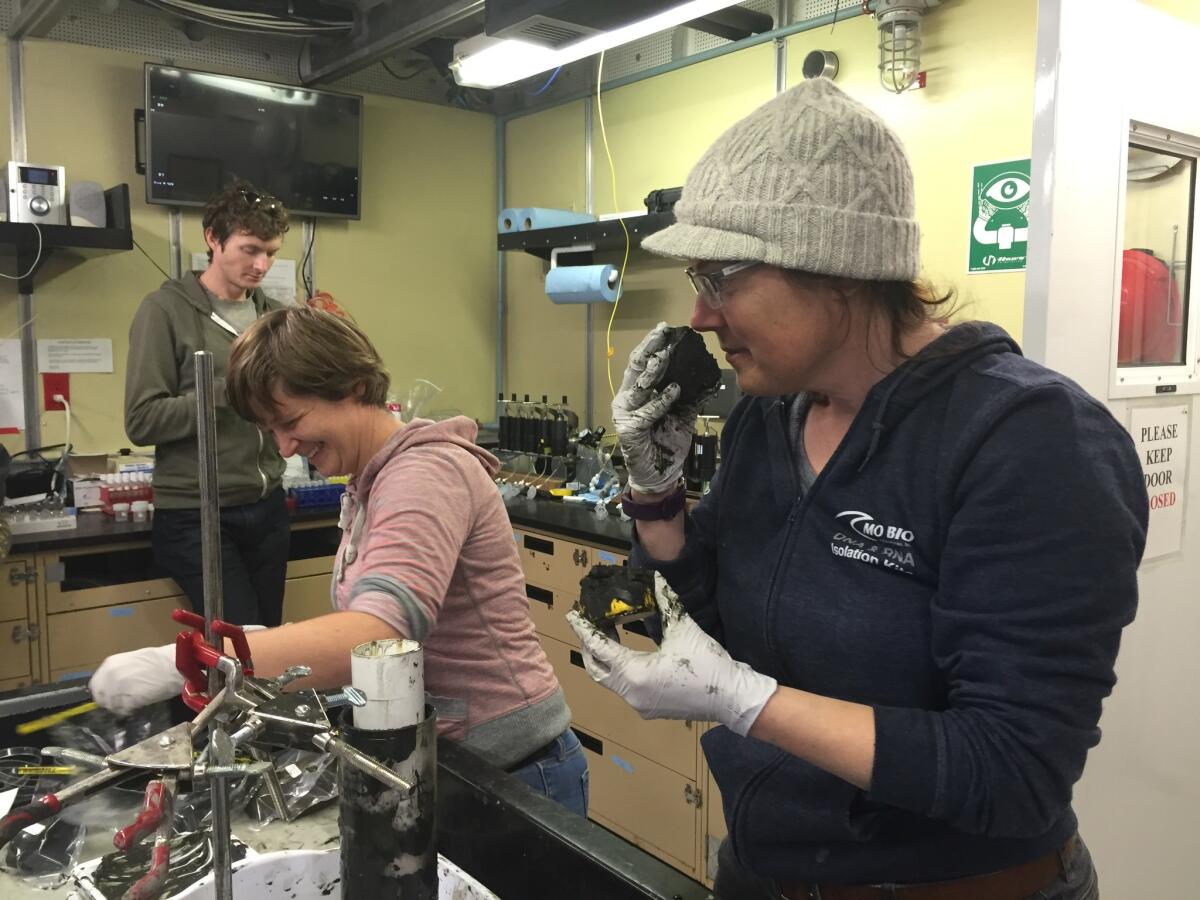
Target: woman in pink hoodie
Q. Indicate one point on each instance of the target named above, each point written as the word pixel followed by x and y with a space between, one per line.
pixel 427 553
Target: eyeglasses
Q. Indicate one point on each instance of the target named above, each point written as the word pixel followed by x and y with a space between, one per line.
pixel 261 201
pixel 708 284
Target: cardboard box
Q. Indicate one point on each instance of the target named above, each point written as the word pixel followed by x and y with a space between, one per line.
pixel 82 465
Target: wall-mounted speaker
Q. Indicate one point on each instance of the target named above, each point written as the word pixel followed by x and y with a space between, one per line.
pixel 85 202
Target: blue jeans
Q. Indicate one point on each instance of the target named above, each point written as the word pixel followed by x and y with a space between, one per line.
pixel 561 773
pixel 734 882
pixel 255 538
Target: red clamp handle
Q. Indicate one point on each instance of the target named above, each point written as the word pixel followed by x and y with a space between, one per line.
pixel 194 655
pixel 148 819
pixel 21 818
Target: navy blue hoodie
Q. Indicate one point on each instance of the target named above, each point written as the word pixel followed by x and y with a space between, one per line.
pixel 964 565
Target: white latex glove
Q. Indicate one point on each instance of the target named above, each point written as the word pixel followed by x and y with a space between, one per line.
pixel 655 439
pixel 128 681
pixel 690 676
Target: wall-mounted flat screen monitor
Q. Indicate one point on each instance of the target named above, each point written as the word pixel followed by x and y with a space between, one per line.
pixel 204 131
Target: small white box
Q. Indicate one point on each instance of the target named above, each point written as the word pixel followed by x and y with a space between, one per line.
pixel 86 492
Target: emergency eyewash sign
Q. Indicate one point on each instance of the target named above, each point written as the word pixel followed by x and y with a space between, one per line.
pixel 1161 436
pixel 999 237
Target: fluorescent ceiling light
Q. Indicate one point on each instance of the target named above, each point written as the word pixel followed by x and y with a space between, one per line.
pixel 488 62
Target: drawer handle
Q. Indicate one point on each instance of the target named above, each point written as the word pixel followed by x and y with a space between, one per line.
pixel 26 633
pixel 539 545
pixel 591 743
pixel 577 659
pixel 540 595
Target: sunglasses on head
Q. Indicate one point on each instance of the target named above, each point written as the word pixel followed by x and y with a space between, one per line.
pixel 261 201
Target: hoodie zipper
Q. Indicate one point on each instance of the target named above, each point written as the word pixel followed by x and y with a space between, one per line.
pixel 798 509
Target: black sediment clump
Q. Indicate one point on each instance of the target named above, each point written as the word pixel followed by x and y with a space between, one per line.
pixel 690 366
pixel 612 595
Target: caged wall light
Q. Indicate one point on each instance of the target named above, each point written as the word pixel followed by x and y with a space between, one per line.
pixel 900 42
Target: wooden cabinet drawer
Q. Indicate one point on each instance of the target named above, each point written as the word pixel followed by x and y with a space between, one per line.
pixel 14 657
pixel 667 742
pixel 306 598
pixel 11 684
pixel 80 640
pixel 548 608
pixel 14 589
pixel 642 801
pixel 551 562
pixel 94 578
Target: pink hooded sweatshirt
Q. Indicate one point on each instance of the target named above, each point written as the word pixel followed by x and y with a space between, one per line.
pixel 428 548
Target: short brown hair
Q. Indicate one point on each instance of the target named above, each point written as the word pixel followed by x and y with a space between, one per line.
pixel 306 353
pixel 239 207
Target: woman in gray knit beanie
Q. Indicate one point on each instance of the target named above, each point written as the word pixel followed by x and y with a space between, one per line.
pixel 883 601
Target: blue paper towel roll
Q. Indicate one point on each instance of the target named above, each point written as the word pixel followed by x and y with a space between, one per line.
pixel 509 220
pixel 581 284
pixel 538 217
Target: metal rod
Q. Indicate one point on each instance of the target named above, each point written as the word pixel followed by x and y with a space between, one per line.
pixel 501 273
pixel 589 191
pixel 1171 277
pixel 175 230
pixel 16 91
pixel 360 761
pixel 781 17
pixel 29 374
pixel 210 536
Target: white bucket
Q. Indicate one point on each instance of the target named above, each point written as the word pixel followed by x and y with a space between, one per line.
pixel 297 875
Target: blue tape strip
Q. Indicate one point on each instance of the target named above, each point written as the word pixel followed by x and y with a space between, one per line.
pixel 622 764
pixel 607 557
pixel 121 612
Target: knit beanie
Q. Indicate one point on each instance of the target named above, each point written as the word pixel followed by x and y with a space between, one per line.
pixel 811 180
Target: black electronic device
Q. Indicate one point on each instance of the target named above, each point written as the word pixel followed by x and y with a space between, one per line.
pixel 662 200
pixel 690 365
pixel 298 144
pixel 701 463
pixel 722 402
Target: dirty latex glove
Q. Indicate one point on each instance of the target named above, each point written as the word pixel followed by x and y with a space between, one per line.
pixel 690 676
pixel 655 439
pixel 126 682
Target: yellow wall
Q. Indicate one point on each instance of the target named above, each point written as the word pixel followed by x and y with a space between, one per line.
pixel 977 108
pixel 418 271
pixel 1188 10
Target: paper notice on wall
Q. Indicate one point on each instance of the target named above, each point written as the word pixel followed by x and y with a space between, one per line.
pixel 12 391
pixel 1161 436
pixel 75 355
pixel 280 283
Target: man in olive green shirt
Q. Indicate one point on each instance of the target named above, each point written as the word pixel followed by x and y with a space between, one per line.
pixel 243 230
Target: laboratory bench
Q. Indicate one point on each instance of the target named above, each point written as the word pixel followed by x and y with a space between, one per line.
pixel 70 599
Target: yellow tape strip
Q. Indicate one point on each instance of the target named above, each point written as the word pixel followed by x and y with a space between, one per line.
pixel 46 770
pixel 54 718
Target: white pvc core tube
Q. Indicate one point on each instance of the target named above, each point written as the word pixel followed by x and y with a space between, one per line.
pixel 391 674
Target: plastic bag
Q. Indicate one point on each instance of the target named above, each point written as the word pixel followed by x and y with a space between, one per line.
pixel 308 780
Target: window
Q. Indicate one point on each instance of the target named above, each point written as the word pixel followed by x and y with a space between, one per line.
pixel 1155 329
